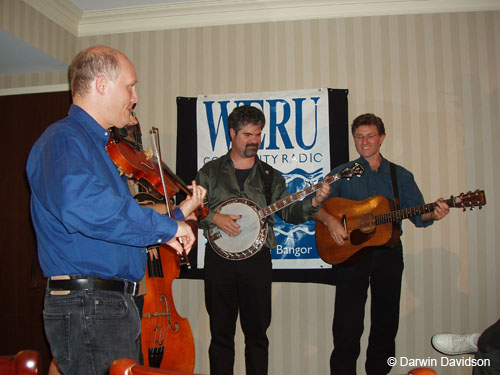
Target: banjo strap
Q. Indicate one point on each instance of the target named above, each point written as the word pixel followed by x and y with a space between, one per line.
pixel 267 176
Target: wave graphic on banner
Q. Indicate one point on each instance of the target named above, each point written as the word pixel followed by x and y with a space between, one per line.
pixel 289 234
pixel 296 228
pixel 299 179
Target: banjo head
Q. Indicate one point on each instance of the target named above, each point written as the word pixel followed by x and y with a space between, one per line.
pixel 253 230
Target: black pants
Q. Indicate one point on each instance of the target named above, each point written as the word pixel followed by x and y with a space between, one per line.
pixel 243 286
pixel 380 269
pixel 139 302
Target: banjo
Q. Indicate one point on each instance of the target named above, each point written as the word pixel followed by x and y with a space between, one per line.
pixel 253 223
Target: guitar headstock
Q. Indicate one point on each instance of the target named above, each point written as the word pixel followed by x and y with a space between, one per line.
pixel 356 170
pixel 471 199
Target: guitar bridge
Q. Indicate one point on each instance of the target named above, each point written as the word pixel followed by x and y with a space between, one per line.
pixel 367 223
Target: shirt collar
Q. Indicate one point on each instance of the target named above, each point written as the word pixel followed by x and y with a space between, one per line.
pixel 89 125
pixel 384 163
pixel 227 159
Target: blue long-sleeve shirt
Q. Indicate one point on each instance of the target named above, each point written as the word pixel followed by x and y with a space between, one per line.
pixel 379 182
pixel 86 221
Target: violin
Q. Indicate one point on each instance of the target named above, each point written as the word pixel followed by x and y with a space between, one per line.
pixel 166 338
pixel 145 170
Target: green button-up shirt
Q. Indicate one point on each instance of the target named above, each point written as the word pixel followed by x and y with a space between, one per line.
pixel 218 177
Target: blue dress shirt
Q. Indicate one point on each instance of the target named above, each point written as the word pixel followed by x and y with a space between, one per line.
pixel 379 182
pixel 86 221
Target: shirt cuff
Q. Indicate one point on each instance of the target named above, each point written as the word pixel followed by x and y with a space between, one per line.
pixel 178 214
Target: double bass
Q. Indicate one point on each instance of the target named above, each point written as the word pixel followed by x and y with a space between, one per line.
pixel 166 337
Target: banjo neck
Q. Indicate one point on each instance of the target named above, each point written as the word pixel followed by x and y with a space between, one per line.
pixel 298 196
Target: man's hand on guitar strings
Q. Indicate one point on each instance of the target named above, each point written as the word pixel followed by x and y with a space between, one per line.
pixel 335 228
pixel 337 231
pixel 227 223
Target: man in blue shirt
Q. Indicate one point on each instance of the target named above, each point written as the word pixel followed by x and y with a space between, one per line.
pixel 92 234
pixel 381 267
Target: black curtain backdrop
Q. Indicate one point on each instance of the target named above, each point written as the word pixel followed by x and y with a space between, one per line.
pixel 186 169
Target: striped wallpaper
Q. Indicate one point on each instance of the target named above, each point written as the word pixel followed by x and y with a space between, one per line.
pixel 435 81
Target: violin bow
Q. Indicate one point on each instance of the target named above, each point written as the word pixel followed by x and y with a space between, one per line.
pixel 155 135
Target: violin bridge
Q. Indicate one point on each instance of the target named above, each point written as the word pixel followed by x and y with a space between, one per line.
pixel 148 153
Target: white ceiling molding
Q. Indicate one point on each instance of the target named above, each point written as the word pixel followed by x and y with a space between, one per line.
pixel 224 12
pixel 62 12
pixel 34 89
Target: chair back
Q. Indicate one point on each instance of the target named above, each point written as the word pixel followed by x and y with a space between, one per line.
pixel 126 366
pixel 422 371
pixel 24 362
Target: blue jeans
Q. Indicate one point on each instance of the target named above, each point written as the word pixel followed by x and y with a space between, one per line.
pixel 88 330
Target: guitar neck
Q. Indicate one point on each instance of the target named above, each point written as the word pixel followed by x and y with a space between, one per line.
pixel 399 215
pixel 298 196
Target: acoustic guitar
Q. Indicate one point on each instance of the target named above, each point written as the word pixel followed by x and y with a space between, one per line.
pixel 375 222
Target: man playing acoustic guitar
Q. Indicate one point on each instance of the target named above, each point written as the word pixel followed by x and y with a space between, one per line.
pixel 379 267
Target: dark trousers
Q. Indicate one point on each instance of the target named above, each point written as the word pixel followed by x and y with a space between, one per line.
pixel 488 347
pixel 88 329
pixel 139 302
pixel 243 286
pixel 380 269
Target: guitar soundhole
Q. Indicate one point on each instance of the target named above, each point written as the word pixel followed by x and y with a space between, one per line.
pixel 357 237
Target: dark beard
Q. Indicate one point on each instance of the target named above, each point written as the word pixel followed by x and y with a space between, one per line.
pixel 250 152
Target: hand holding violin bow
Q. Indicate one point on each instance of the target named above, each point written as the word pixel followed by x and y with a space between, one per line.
pixel 184 238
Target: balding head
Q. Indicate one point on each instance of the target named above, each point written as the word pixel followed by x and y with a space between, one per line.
pixel 103 83
pixel 91 63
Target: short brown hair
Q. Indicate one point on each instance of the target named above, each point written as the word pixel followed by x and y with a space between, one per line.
pixel 368 119
pixel 91 63
pixel 243 115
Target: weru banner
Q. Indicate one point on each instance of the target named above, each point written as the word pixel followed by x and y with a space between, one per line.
pixel 295 141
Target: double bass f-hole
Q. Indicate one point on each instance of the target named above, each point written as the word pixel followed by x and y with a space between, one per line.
pixel 161 332
pixel 166 314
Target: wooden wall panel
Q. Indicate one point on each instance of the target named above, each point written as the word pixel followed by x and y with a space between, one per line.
pixel 24 119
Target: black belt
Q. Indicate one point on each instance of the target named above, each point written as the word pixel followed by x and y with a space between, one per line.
pixel 93 283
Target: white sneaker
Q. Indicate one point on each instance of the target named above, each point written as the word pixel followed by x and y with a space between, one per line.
pixel 451 344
